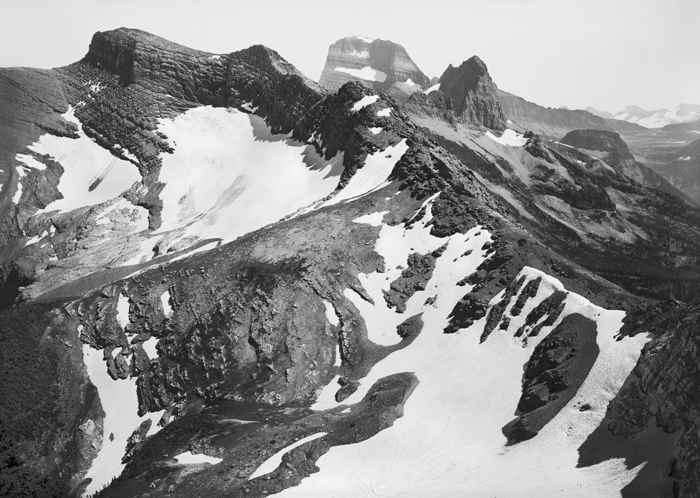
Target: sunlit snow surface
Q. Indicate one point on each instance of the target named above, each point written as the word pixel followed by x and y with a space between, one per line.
pixel 449 442
pixel 92 175
pixel 373 174
pixel 366 73
pixel 432 89
pixel 509 137
pixel 364 102
pixel 229 176
pixel 120 404
pixel 189 458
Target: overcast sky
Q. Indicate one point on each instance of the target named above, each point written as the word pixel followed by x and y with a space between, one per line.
pixel 607 54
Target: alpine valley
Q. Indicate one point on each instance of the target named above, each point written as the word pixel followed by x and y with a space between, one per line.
pixel 221 278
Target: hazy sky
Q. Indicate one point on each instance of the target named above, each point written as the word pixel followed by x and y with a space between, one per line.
pixel 607 54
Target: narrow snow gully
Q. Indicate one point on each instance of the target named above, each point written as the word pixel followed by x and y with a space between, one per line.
pixel 450 441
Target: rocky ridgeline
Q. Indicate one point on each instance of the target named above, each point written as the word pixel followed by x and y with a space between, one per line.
pixel 546 121
pixel 473 93
pixel 609 147
pixel 387 67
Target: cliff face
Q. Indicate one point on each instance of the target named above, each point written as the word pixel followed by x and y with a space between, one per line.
pixel 473 93
pixel 380 64
pixel 546 121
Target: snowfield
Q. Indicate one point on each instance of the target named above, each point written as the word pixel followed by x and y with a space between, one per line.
pixel 229 175
pixel 509 137
pixel 92 175
pixel 449 442
pixel 373 175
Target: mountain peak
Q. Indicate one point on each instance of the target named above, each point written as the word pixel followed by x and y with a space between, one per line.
pixel 473 93
pixel 381 64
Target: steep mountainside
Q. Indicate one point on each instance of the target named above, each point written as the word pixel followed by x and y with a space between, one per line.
pixel 546 121
pixel 609 147
pixel 222 279
pixel 383 65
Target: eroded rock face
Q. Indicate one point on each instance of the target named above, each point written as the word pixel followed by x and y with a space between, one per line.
pixel 474 95
pixel 382 65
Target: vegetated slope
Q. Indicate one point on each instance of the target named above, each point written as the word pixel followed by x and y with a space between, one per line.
pixel 447 259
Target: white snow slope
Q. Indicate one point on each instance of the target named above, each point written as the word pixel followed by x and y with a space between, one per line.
pixel 85 164
pixel 449 442
pixel 229 175
pixel 120 404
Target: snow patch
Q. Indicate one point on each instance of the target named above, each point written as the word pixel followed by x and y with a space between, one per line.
pixel 149 346
pixel 432 89
pixel 376 130
pixel 30 162
pixel 123 311
pixel 330 313
pixel 21 173
pixel 374 219
pixel 120 404
pixel 509 137
pixel 189 458
pixel 366 73
pixel 92 175
pixel 271 464
pixel 338 357
pixel 165 301
pixel 364 102
pixel 373 175
pixel 384 112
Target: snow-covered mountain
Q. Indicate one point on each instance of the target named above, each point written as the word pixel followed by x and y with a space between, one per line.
pixel 683 113
pixel 219 278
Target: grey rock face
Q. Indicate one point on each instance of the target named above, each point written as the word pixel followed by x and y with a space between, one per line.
pixel 383 65
pixel 546 121
pixel 474 95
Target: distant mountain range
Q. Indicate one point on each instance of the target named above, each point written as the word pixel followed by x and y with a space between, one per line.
pixel 683 113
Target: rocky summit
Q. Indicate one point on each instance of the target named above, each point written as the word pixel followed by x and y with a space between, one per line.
pixel 380 64
pixel 221 278
pixel 474 96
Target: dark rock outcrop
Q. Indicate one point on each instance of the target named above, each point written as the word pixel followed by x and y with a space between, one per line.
pixel 557 368
pixel 473 93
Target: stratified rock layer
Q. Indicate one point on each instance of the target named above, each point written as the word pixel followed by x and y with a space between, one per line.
pixel 383 65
